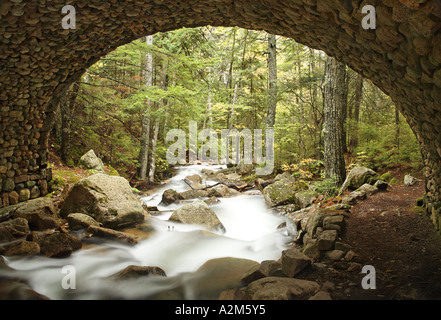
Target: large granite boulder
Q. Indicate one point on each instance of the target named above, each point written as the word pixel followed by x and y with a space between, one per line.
pixel 107 199
pixel 358 177
pixel 197 212
pixel 91 161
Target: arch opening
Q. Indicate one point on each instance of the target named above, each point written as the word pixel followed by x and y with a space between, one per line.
pixel 40 59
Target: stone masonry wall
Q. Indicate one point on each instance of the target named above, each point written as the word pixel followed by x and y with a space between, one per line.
pixel 39 59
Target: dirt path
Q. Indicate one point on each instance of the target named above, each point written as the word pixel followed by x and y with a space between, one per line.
pixel 403 246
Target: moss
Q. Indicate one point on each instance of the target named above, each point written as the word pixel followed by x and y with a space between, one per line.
pixel 386 176
pixel 393 181
pixel 418 210
pixel 249 178
pixel 68 176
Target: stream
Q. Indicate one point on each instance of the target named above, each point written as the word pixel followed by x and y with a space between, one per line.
pixel 179 249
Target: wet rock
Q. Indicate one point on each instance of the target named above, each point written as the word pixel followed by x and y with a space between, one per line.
pixel 222 191
pixel 197 212
pixel 107 199
pixel 78 221
pixel 16 290
pixel 192 194
pixel 134 272
pixel 16 228
pixel 91 161
pixel 113 234
pixel 22 248
pixel 40 213
pixel 195 181
pixel 170 196
pixel 221 274
pixel 59 245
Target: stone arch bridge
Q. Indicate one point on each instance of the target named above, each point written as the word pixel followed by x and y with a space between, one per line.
pixel 39 60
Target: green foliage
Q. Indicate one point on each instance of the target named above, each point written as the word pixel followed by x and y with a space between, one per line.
pixel 328 187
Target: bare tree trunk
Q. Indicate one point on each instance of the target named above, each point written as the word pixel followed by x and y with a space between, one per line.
pixel 356 116
pixel 333 99
pixel 272 81
pixel 145 135
pixel 154 140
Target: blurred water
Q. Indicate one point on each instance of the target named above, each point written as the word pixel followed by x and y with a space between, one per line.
pixel 179 249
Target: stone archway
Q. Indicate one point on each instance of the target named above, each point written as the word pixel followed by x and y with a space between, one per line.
pixel 39 60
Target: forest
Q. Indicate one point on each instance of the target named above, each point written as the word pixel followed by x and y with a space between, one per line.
pixel 230 78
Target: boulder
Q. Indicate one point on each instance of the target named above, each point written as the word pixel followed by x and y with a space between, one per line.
pixel 293 262
pixel 170 196
pixel 305 198
pixel 334 223
pixel 40 213
pixel 192 194
pixel 357 177
pixel 78 221
pixel 195 181
pixel 59 245
pixel 368 189
pixel 276 288
pixel 381 185
pixel 327 239
pixel 91 161
pixel 222 191
pixel 16 228
pixel 22 248
pixel 134 272
pixel 354 196
pixel 280 193
pixel 113 234
pixel 17 290
pixel 221 274
pixel 107 199
pixel 197 212
pixel 409 180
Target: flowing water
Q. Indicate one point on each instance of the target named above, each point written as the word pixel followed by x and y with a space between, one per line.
pixel 179 249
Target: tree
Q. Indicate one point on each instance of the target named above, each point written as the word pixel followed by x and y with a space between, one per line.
pixel 145 135
pixel 356 115
pixel 333 99
pixel 272 81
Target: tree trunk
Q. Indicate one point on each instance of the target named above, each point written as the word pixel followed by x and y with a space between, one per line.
pixel 333 100
pixel 272 81
pixel 145 135
pixel 356 115
pixel 154 140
